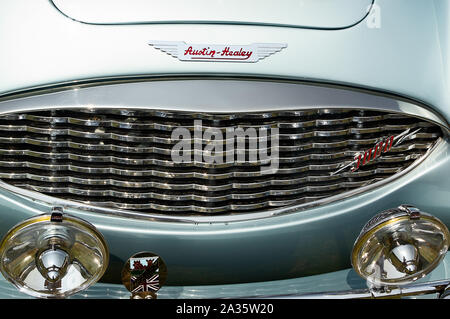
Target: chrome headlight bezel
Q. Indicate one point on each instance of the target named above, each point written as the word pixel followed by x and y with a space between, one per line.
pixel 25 258
pixel 384 232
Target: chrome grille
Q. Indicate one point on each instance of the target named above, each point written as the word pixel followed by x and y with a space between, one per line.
pixel 121 158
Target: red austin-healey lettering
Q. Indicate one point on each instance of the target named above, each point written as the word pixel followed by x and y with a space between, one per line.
pixel 226 53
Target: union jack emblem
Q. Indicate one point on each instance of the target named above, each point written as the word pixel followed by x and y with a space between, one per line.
pixel 144 274
pixel 146 284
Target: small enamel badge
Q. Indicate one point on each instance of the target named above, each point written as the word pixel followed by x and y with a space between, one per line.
pixel 218 52
pixel 144 274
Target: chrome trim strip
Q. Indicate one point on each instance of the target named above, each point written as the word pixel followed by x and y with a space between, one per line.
pixel 228 96
pixel 234 22
pixel 418 289
pixel 101 81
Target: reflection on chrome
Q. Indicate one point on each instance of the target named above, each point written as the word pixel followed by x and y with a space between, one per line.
pixel 399 246
pixel 53 255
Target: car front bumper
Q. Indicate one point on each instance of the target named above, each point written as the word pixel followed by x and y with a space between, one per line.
pixel 339 284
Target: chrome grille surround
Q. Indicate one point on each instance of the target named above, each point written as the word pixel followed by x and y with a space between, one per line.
pixel 119 157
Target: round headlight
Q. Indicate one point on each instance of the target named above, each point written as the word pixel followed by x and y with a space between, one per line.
pixel 53 255
pixel 399 246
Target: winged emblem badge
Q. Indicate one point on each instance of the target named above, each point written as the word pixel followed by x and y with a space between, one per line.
pixel 218 52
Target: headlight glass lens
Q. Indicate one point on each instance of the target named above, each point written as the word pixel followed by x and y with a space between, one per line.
pixel 398 250
pixel 49 259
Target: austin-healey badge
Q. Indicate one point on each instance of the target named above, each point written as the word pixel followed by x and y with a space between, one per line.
pixel 217 52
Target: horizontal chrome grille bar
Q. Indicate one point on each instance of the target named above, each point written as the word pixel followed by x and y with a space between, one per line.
pixel 169 163
pixel 167 151
pixel 166 174
pixel 131 125
pixel 193 197
pixel 132 138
